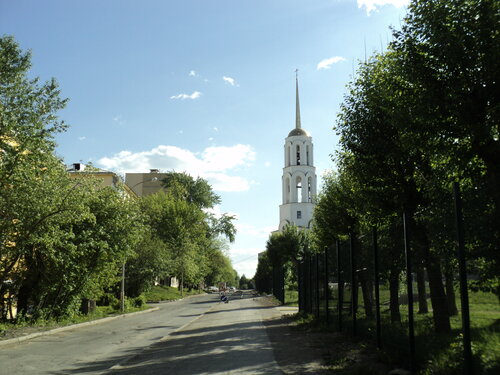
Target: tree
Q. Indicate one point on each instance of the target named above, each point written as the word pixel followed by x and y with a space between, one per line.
pixel 450 51
pixel 263 274
pixel 243 282
pixel 391 163
pixel 196 191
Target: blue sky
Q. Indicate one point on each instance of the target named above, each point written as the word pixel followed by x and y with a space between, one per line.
pixel 206 87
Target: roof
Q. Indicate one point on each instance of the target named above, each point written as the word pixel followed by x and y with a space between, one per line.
pixel 298 132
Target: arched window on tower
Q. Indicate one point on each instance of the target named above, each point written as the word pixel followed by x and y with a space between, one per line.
pixel 288 159
pixel 299 189
pixel 307 155
pixel 298 155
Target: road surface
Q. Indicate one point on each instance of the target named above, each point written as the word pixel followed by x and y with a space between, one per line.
pixel 197 335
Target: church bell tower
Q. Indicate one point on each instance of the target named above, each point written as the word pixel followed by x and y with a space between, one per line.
pixel 299 175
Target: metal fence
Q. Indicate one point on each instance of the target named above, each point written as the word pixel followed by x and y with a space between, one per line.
pixel 346 286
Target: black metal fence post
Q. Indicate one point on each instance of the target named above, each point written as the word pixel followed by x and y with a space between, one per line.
pixel 316 261
pixel 409 288
pixel 310 302
pixel 462 270
pixel 340 286
pixel 282 284
pixel 327 289
pixel 299 285
pixel 354 285
pixel 377 291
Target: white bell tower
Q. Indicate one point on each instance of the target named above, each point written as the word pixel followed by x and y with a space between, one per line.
pixel 299 175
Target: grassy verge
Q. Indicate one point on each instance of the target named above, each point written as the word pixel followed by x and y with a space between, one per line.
pixel 435 354
pixel 10 330
pixel 291 297
pixel 166 293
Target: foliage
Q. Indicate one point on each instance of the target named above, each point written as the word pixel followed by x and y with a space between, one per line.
pixel 64 239
pixel 196 191
pixel 415 119
pixel 263 274
pixel 243 282
pixel 188 238
pixel 60 240
pixel 165 293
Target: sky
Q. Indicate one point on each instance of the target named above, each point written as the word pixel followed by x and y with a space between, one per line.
pixel 205 87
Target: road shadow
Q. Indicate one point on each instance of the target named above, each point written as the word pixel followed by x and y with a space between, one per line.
pixel 237 348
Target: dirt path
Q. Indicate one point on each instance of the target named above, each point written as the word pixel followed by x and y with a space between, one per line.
pixel 307 351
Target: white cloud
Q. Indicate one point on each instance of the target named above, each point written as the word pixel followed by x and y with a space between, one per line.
pixel 327 63
pixel 253 231
pixel 267 164
pixel 371 5
pixel 221 158
pixel 192 73
pixel 230 80
pixel 216 129
pixel 118 119
pixel 245 260
pixel 82 138
pixel 216 164
pixel 194 95
pixel 210 139
pixel 247 267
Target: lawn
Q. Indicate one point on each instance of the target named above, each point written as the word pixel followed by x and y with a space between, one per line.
pixel 166 293
pixel 435 354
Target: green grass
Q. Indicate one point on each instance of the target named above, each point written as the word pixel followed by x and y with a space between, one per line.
pixel 166 293
pixel 291 297
pixel 436 354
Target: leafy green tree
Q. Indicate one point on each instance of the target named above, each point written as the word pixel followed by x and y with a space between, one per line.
pixel 60 239
pixel 450 51
pixel 151 261
pixel 197 191
pixel 243 282
pixel 391 162
pixel 263 274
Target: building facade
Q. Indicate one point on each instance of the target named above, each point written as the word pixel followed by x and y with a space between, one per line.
pixel 106 178
pixel 144 184
pixel 299 175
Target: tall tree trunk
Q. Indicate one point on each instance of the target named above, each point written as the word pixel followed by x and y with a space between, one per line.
pixel 367 290
pixel 422 293
pixel 394 294
pixel 440 314
pixel 439 301
pixel 450 293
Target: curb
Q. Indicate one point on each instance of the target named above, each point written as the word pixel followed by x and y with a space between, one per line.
pixel 17 340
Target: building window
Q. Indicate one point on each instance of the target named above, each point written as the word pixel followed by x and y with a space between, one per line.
pixel 299 214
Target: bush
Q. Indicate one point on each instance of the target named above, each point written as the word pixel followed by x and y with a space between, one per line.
pixel 139 301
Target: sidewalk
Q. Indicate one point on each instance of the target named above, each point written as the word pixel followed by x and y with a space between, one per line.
pixel 228 339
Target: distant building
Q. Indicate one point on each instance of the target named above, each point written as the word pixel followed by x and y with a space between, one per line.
pixel 144 184
pixel 108 178
pixel 299 176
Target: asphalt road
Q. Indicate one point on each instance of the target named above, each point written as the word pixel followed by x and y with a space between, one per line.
pixel 230 339
pixel 96 349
